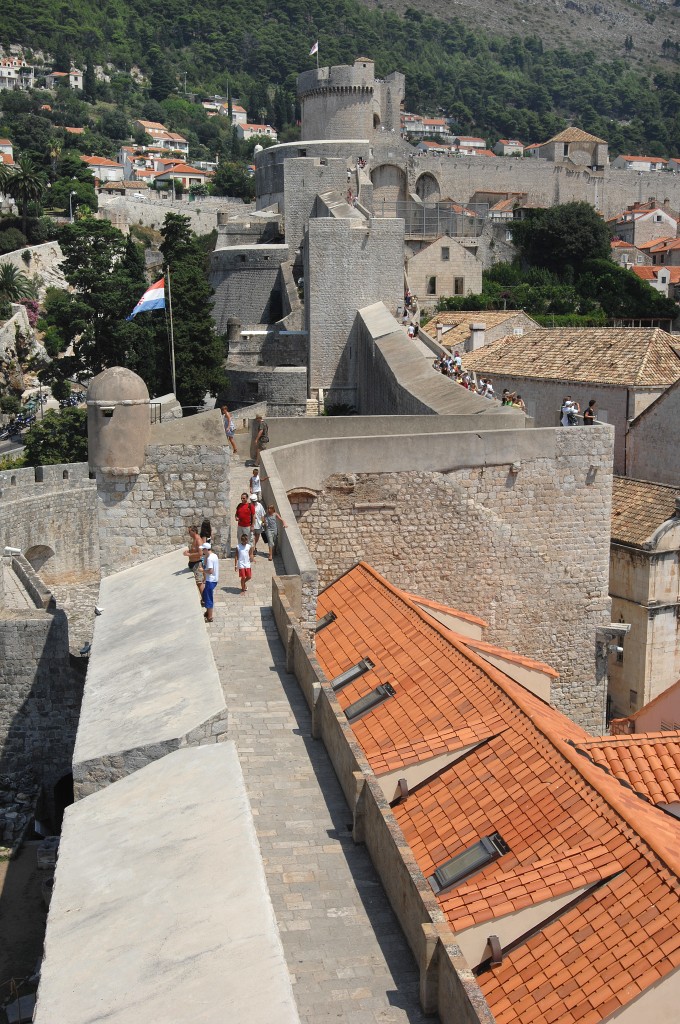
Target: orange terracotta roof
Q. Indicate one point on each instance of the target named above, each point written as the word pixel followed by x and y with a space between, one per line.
pixel 526 886
pixel 458 323
pixel 569 825
pixel 575 135
pixel 639 508
pixel 652 273
pixel 648 762
pixel 99 161
pixel 645 357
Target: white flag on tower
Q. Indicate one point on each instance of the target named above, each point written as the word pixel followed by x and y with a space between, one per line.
pixel 314 49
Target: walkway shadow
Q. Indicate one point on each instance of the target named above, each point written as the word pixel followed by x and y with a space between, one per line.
pixel 384 923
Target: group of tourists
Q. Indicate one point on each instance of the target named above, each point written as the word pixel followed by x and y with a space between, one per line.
pixel 452 367
pixel 254 523
pixel 261 435
pixel 570 409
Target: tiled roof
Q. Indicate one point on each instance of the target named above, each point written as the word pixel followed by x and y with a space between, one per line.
pixel 646 159
pixel 182 169
pixel 651 273
pixel 608 355
pixel 648 762
pixel 639 508
pixel 575 135
pixel 458 323
pixel 100 161
pixel 574 831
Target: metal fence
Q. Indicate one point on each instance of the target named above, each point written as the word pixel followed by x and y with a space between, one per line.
pixel 430 221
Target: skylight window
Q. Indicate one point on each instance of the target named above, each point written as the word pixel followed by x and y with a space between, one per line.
pixel 325 621
pixel 467 863
pixel 369 702
pixel 352 673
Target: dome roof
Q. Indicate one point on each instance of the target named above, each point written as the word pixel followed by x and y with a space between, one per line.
pixel 117 384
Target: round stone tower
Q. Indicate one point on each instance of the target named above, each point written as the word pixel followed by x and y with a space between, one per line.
pixel 338 102
pixel 118 421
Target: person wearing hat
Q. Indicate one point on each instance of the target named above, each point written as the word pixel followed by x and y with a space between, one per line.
pixel 258 518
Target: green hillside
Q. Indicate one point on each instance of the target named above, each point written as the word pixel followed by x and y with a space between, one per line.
pixel 489 84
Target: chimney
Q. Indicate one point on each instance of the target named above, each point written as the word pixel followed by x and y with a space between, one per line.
pixel 477 331
pixel 440 331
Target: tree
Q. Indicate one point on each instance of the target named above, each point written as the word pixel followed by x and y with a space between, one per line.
pixel 25 184
pixel 562 236
pixel 14 284
pixel 232 179
pixel 59 437
pixel 199 352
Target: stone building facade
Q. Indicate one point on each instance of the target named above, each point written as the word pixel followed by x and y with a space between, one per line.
pixel 443 268
pixel 653 440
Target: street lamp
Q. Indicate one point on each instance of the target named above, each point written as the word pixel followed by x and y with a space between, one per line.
pixel 70 206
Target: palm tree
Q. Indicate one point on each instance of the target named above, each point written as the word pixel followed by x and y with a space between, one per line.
pixel 14 284
pixel 26 185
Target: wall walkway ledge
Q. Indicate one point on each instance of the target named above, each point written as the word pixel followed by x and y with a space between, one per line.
pixel 160 909
pixel 447 985
pixel 152 685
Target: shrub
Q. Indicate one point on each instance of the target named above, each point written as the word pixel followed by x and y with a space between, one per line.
pixel 11 239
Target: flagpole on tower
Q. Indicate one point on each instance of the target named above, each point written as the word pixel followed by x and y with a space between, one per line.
pixel 172 337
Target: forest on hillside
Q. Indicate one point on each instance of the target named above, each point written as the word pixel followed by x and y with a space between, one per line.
pixel 490 85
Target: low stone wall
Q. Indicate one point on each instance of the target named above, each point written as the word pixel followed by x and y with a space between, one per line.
pixel 122 212
pixel 31 582
pixel 282 388
pixel 447 985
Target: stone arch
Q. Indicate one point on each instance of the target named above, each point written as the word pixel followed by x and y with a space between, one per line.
pixel 301 500
pixel 376 121
pixel 427 187
pixel 389 188
pixel 40 556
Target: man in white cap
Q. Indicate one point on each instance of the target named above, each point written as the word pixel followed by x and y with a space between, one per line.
pixel 258 518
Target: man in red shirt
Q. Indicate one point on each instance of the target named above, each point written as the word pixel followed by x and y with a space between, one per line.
pixel 245 516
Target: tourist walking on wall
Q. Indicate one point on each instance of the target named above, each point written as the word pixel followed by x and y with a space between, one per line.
pixel 228 421
pixel 256 483
pixel 242 563
pixel 261 437
pixel 271 529
pixel 211 572
pixel 195 554
pixel 258 519
pixel 590 414
pixel 244 516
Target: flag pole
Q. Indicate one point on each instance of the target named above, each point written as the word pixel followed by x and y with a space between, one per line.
pixel 317 56
pixel 172 338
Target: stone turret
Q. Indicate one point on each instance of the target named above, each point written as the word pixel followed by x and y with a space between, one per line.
pixel 118 421
pixel 348 102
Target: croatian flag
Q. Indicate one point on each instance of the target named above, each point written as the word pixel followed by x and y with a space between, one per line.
pixel 314 49
pixel 153 298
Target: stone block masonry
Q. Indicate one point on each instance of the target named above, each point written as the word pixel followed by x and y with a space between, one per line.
pixel 348 264
pixel 50 512
pixel 524 547
pixel 147 515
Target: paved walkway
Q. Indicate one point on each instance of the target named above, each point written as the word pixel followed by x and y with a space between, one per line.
pixel 346 954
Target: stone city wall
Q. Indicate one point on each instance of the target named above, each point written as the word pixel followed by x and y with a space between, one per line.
pixel 50 512
pixel 270 164
pixel 546 183
pixel 246 283
pixel 39 708
pixel 123 211
pixel 147 515
pixel 305 178
pixel 283 388
pixel 348 264
pixel 534 536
